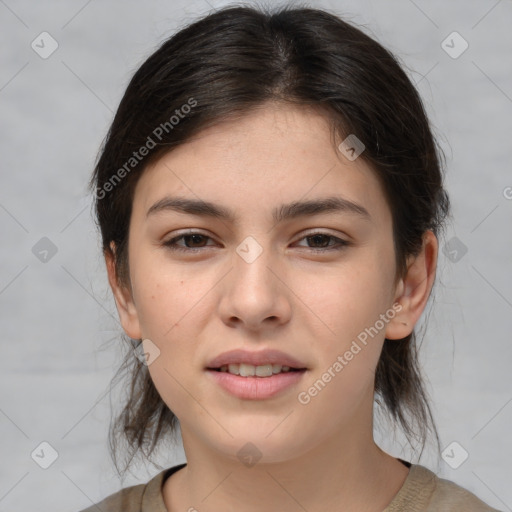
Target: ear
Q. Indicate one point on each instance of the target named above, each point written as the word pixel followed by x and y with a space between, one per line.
pixel 413 290
pixel 123 297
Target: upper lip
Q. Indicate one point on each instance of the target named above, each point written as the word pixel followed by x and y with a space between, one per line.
pixel 255 358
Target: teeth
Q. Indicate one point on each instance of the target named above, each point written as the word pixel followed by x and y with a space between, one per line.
pixel 234 368
pixel 249 370
pixel 264 370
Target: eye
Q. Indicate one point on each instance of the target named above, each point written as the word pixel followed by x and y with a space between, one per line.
pixel 322 240
pixel 193 242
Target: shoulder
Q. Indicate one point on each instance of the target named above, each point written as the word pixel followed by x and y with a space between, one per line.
pixel 137 498
pixel 424 491
pixel 128 499
pixel 451 496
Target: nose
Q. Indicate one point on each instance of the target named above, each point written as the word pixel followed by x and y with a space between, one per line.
pixel 255 294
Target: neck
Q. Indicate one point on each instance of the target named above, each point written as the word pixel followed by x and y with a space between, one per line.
pixel 349 469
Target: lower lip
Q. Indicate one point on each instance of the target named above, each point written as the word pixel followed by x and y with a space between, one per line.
pixel 256 388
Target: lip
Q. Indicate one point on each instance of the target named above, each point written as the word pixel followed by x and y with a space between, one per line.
pixel 256 388
pixel 256 359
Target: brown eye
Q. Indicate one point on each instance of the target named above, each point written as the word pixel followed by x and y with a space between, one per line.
pixel 322 242
pixel 192 242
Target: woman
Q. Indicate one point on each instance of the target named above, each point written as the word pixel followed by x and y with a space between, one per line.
pixel 269 197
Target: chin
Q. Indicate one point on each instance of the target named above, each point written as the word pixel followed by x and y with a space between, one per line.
pixel 250 446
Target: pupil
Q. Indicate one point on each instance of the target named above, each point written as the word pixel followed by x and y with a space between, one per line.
pixel 195 238
pixel 317 237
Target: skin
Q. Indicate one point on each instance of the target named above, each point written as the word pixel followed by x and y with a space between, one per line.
pixel 305 302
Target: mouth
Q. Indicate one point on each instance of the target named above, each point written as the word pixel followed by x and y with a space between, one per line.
pixel 250 370
pixel 250 375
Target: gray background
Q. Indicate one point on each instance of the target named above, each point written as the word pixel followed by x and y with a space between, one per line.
pixel 57 316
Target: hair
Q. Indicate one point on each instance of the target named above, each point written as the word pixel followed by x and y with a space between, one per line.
pixel 221 67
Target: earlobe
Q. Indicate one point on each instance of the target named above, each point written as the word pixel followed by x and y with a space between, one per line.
pixel 413 290
pixel 124 302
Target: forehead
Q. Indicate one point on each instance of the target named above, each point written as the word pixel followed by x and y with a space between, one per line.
pixel 269 156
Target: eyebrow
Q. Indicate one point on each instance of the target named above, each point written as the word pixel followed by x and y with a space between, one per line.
pixel 333 204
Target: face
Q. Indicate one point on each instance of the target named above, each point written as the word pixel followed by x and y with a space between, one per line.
pixel 317 284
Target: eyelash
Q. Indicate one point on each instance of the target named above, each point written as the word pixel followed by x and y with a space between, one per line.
pixel 171 244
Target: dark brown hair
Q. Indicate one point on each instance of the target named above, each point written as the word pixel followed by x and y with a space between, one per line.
pixel 222 66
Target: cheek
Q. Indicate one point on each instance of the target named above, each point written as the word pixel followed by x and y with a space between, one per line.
pixel 165 296
pixel 348 352
pixel 173 308
pixel 346 300
pixel 169 308
pixel 169 378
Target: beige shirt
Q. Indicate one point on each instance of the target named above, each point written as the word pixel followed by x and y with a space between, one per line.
pixel 422 491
